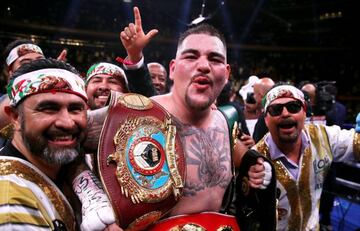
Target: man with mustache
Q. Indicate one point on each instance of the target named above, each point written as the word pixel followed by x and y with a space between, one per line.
pixel 49 113
pixel 302 155
pixel 101 78
pixel 17 53
pixel 199 72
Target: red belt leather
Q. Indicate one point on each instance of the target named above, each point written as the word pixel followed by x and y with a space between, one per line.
pixel 139 171
pixel 209 221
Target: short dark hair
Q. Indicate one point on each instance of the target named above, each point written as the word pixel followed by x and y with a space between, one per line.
pixel 42 64
pixel 203 28
pixel 305 82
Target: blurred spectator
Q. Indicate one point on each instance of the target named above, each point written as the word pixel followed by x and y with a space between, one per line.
pixel 101 78
pixel 159 77
pixel 337 113
pixel 261 87
pixel 224 99
pixel 251 111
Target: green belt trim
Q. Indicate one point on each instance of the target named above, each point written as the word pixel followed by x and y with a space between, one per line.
pixel 231 115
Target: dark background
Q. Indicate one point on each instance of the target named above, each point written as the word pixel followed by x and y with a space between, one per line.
pixel 288 40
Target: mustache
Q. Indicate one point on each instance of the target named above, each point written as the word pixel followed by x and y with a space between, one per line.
pixel 202 75
pixel 288 121
pixel 100 92
pixel 62 132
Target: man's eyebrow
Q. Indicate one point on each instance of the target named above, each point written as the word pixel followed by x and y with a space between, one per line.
pixel 115 77
pixel 193 51
pixel 97 77
pixel 46 103
pixel 211 54
pixel 77 105
pixel 217 54
pixel 25 60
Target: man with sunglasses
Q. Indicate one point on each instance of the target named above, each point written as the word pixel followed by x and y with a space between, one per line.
pixel 302 155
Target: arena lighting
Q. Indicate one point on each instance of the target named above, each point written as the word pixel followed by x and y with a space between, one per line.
pixel 198 20
pixel 201 17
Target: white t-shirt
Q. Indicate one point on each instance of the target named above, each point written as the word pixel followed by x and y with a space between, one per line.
pixel 250 123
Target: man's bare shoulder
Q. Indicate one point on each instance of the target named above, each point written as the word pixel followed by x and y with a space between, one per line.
pixel 219 118
pixel 164 100
pixel 161 98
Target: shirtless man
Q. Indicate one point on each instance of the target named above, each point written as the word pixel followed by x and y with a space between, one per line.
pixel 199 71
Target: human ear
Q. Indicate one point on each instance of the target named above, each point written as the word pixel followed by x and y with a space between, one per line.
pixel 171 69
pixel 12 116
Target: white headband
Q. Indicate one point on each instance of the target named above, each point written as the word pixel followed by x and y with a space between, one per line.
pixel 249 87
pixel 21 50
pixel 45 80
pixel 283 91
pixel 106 69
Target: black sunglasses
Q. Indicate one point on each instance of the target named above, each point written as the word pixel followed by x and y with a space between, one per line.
pixel 292 107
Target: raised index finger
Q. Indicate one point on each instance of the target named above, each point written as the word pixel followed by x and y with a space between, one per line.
pixel 137 17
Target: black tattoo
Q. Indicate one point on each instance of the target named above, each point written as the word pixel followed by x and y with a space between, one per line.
pixel 209 151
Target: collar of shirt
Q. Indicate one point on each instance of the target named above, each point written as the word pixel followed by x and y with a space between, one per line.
pixel 275 153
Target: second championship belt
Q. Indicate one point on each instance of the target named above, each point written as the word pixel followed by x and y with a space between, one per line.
pixel 140 161
pixel 255 208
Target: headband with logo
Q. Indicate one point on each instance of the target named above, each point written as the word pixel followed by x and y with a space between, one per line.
pixel 105 69
pixel 283 91
pixel 21 50
pixel 43 81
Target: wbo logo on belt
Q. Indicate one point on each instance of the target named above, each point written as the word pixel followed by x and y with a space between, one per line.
pixel 140 160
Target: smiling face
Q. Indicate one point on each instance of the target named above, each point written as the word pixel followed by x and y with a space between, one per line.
pixel 200 71
pixel 286 127
pixel 99 87
pixel 51 126
pixel 158 78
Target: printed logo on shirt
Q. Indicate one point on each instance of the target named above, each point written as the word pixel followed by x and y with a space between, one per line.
pixel 320 165
pixel 320 168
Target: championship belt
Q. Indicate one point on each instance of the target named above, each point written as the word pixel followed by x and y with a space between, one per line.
pixel 140 160
pixel 207 221
pixel 255 208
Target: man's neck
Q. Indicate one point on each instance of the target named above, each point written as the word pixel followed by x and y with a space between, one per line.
pixel 251 114
pixel 188 116
pixel 200 119
pixel 292 150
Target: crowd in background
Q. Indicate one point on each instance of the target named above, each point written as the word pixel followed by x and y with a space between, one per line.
pixel 281 66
